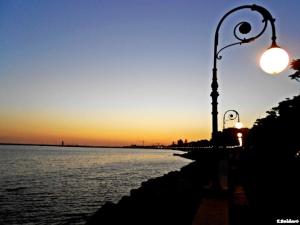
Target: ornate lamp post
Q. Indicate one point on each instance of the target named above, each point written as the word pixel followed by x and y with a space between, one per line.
pixel 274 60
pixel 232 115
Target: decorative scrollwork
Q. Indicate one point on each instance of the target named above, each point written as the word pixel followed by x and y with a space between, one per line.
pixel 243 28
pixel 230 115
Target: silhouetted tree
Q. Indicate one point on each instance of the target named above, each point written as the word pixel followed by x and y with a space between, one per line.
pixel 270 163
pixel 229 136
pixel 204 143
pixel 200 143
pixel 276 134
pixel 295 65
pixel 180 142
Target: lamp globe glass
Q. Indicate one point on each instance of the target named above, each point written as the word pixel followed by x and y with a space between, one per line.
pixel 274 60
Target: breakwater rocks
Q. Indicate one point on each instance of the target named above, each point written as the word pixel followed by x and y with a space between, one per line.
pixel 170 199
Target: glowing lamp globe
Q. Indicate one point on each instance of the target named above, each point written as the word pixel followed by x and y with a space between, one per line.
pixel 238 125
pixel 274 60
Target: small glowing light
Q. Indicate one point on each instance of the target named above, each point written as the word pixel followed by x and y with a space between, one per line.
pixel 239 135
pixel 238 125
pixel 274 60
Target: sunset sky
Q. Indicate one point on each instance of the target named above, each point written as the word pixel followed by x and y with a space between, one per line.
pixel 116 72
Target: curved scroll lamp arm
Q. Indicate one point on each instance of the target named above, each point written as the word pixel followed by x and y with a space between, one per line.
pixel 267 60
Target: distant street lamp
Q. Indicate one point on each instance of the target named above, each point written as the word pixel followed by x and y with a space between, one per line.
pixel 232 115
pixel 273 61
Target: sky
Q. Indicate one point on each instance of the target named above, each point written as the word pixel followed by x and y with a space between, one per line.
pixel 115 72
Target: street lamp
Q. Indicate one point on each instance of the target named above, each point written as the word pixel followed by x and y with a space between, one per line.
pixel 232 115
pixel 273 61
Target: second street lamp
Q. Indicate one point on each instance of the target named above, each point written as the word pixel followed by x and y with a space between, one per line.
pixel 232 115
pixel 273 61
pixel 229 115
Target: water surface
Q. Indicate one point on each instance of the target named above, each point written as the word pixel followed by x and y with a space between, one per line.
pixel 55 185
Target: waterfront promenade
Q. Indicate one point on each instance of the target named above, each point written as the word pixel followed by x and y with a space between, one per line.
pixel 182 197
pixel 191 197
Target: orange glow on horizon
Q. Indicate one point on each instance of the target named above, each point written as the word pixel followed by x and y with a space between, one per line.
pixel 46 128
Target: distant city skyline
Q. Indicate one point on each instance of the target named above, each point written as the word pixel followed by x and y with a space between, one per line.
pixel 122 72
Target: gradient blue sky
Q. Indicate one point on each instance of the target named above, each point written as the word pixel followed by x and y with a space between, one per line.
pixel 116 72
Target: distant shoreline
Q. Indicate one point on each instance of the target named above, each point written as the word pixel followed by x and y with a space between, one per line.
pixel 56 145
pixel 81 146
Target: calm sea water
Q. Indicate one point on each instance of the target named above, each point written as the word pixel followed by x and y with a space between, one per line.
pixel 54 185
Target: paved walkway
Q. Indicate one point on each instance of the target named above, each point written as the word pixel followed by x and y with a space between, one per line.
pixel 212 211
pixel 223 209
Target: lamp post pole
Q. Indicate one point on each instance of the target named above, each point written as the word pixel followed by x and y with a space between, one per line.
pixel 243 28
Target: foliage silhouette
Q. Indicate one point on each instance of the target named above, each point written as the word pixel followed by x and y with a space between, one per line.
pixel 270 169
pixel 276 134
pixel 295 65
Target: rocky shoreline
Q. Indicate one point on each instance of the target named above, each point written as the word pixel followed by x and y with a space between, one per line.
pixel 171 199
